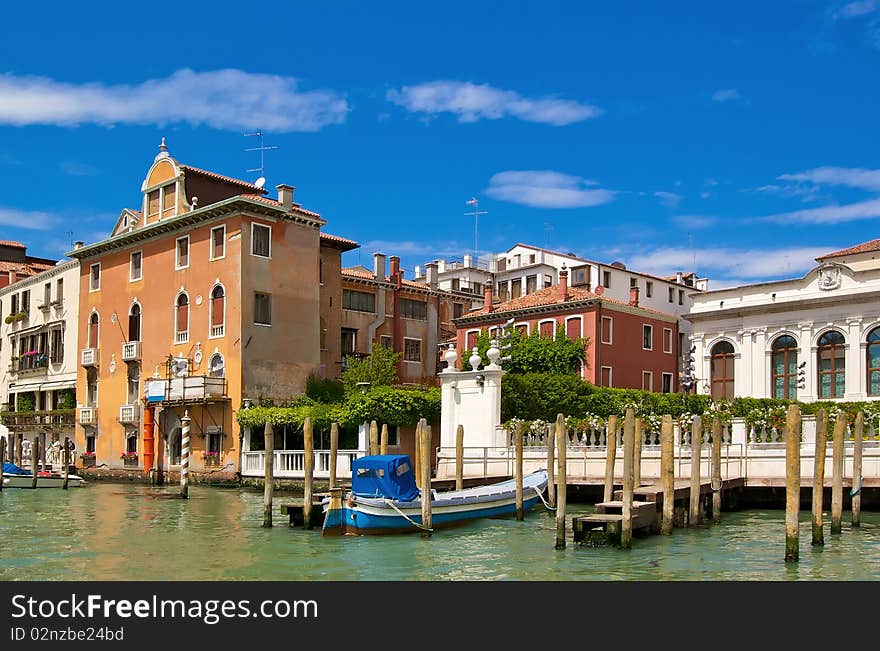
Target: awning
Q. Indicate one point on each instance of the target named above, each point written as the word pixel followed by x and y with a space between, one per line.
pixel 57 384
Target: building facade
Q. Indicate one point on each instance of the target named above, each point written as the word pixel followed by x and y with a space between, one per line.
pixel 16 264
pixel 38 359
pixel 810 338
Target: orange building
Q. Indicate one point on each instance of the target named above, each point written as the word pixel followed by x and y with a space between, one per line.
pixel 208 295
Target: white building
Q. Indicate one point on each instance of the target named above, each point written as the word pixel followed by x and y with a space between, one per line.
pixel 811 338
pixel 38 356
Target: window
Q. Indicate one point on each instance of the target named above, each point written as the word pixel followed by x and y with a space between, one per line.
pixel 580 276
pixel 181 319
pixel 607 329
pixel 217 366
pixel 386 342
pixel 516 288
pixel 134 383
pixel 131 443
pixel 57 346
pixel 95 277
pixel 648 337
pixel 182 253
pixel 573 328
pixel 218 242
pixel 547 328
pixel 873 353
pixel 783 367
pixel 169 192
pixel 214 447
pixel 412 350
pixel 218 311
pixel 261 240
pixel 532 258
pixel 59 291
pixel 262 308
pixel 457 310
pixel 605 379
pixel 647 380
pixel 135 266
pixel 721 370
pixel 548 281
pixel 93 330
pixel 606 280
pixel 671 294
pixel 358 301
pixel 349 341
pixel 92 388
pixel 26 301
pixel 47 294
pixel 90 444
pixel 153 204
pixel 633 282
pixel 14 304
pixel 667 340
pixel 832 365
pixel 667 383
pixel 649 289
pixel 681 297
pixel 410 309
pixel 471 340
pixel 523 328
pixel 456 284
pixel 531 284
pixel 134 322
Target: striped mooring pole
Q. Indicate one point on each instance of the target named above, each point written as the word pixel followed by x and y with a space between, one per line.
pixel 184 455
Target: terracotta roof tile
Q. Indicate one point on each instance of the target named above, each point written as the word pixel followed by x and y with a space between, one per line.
pixel 864 247
pixel 339 240
pixel 273 202
pixel 363 272
pixel 29 268
pixel 226 179
pixel 15 245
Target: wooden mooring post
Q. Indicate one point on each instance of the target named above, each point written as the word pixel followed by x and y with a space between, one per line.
pixel 2 459
pixel 65 459
pixel 637 453
pixel 518 470
pixel 35 456
pixel 667 473
pixel 561 480
pixel 551 470
pixel 716 470
pixel 856 491
pixel 610 457
pixel 819 475
pixel 694 515
pixel 309 471
pixel 268 472
pixel 459 457
pixel 792 482
pixel 374 438
pixel 184 454
pixel 837 473
pixel 334 453
pixel 629 443
pixel 383 439
pixel 424 437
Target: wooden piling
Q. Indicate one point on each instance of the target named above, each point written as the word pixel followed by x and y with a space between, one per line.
pixel 268 472
pixel 819 475
pixel 518 469
pixel 837 473
pixel 792 482
pixel 374 438
pixel 184 455
pixel 334 452
pixel 629 444
pixel 383 439
pixel 561 480
pixel 459 457
pixel 856 491
pixel 716 470
pixel 551 470
pixel 694 515
pixel 20 451
pixel 610 455
pixel 2 459
pixel 667 474
pixel 160 460
pixel 637 453
pixel 425 449
pixel 309 471
pixel 35 454
pixel 417 456
pixel 65 459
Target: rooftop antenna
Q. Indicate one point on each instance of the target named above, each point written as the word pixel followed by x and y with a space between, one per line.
pixel 262 149
pixel 476 214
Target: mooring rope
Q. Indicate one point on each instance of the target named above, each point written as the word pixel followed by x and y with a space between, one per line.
pixel 546 503
pixel 405 516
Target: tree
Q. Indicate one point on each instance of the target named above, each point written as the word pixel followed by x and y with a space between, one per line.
pixel 379 368
pixel 536 354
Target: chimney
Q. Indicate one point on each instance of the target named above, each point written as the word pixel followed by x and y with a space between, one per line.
pixel 78 245
pixel 395 274
pixel 285 195
pixel 562 289
pixel 468 261
pixel 379 267
pixel 418 271
pixel 487 300
pixel 431 273
pixel 634 296
pixel 11 276
pixel 678 276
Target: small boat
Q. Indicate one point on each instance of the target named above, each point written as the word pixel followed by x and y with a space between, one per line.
pixel 384 499
pixel 15 477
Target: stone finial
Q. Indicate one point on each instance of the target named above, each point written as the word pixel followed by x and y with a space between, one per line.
pixel 451 356
pixel 163 150
pixel 475 359
pixel 494 354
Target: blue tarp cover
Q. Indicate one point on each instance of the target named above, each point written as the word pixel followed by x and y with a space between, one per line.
pixel 12 469
pixel 388 475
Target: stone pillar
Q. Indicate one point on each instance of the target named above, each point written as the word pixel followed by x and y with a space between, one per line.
pixel 855 361
pixel 762 373
pixel 808 355
pixel 471 399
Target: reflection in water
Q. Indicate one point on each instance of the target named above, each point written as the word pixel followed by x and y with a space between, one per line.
pixel 134 532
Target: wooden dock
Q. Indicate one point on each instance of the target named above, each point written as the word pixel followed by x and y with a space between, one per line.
pixel 294 510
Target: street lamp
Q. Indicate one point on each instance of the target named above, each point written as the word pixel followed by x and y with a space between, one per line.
pixel 363 387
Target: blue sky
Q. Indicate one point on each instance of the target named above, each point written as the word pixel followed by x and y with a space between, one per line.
pixel 739 139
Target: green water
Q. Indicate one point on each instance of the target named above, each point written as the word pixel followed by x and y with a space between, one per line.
pixel 129 532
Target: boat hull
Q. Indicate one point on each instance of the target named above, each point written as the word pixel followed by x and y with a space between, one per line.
pixel 27 481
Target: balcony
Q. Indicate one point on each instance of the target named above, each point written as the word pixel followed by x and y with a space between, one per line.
pixel 129 413
pixel 131 351
pixel 88 416
pixel 18 421
pixel 218 330
pixel 30 364
pixel 89 356
pixel 191 388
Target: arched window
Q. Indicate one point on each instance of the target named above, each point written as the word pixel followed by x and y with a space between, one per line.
pixel 181 319
pixel 783 367
pixel 722 370
pixel 874 362
pixel 218 311
pixel 216 366
pixel 93 330
pixel 134 322
pixel 832 365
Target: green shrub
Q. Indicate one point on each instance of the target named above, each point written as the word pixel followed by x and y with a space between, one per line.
pixel 326 390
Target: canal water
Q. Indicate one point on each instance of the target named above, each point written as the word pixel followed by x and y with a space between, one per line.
pixel 133 532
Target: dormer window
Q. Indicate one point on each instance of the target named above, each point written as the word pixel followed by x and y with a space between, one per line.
pixel 161 202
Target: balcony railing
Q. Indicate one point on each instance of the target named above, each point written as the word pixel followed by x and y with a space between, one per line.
pixel 89 357
pixel 131 351
pixel 26 363
pixel 88 415
pixel 129 413
pixel 25 420
pixel 191 388
pixel 181 337
pixel 218 330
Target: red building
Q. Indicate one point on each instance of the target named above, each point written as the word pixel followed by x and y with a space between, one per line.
pixel 16 264
pixel 629 346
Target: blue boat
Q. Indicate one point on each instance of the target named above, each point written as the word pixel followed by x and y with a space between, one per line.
pixel 384 499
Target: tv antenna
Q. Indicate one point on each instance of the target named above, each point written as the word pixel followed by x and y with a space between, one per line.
pixel 262 149
pixel 476 215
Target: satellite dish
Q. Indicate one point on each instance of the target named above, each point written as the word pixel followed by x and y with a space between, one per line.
pixel 599 290
pixel 260 182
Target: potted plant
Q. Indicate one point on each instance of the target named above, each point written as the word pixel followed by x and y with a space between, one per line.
pixel 128 455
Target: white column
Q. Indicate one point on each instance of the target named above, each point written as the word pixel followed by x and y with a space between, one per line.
pixel 855 358
pixel 744 371
pixel 808 355
pixel 762 371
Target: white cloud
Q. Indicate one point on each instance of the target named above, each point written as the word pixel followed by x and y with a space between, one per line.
pixel 853 177
pixel 726 95
pixel 805 192
pixel 30 219
pixel 472 102
pixel 546 189
pixel 78 169
pixel 859 8
pixel 668 199
pixel 695 221
pixel 750 264
pixel 833 214
pixel 223 99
